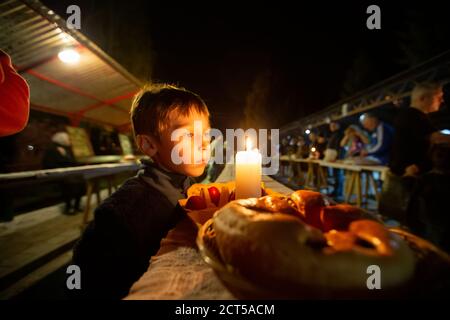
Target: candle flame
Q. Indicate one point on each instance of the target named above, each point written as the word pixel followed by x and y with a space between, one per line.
pixel 313 149
pixel 248 143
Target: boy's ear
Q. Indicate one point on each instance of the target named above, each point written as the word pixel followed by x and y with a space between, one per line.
pixel 147 144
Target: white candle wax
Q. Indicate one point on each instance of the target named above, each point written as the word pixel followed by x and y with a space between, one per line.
pixel 248 174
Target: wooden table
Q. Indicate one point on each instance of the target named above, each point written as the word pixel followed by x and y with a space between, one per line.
pixel 354 174
pixel 178 271
pixel 316 176
pixel 91 174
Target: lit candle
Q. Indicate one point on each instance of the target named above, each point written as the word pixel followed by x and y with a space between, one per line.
pixel 248 173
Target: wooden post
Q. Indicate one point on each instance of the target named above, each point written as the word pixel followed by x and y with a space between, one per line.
pixel 367 187
pixel 358 188
pixel 89 189
pixel 97 191
pixel 350 186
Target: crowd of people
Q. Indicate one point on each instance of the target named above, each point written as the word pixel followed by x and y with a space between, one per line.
pixel 415 150
pixel 402 145
pixel 369 143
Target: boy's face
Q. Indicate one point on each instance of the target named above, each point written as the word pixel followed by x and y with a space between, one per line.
pixel 189 144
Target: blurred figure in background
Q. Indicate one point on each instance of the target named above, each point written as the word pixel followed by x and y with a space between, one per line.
pixel 321 145
pixel 378 148
pixel 283 150
pixel 333 150
pixel 353 141
pixel 332 153
pixel 427 211
pixel 413 131
pixel 318 145
pixel 284 146
pixel 14 98
pixel 302 148
pixel 312 146
pixel 59 155
pixel 416 190
pixel 292 145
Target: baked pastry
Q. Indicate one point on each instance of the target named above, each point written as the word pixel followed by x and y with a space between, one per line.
pixel 301 241
pixel 203 200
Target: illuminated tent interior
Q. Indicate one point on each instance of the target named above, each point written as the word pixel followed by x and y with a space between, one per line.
pixel 69 75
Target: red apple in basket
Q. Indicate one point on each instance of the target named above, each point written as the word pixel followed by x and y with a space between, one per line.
pixel 196 203
pixel 214 195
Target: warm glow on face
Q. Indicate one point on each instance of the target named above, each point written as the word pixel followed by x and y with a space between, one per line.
pixel 69 56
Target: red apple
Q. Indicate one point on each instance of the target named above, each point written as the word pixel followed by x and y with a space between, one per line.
pixel 232 196
pixel 214 194
pixel 196 203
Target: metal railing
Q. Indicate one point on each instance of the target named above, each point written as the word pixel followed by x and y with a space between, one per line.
pixel 390 90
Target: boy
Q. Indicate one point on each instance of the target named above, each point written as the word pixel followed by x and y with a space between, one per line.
pixel 116 247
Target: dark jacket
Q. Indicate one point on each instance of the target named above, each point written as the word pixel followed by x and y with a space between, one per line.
pixel 54 159
pixel 381 143
pixel 334 142
pixel 115 249
pixel 411 141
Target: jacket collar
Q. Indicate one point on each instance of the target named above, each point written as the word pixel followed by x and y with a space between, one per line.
pixel 173 185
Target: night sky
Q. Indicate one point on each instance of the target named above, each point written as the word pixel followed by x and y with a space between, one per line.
pixel 278 60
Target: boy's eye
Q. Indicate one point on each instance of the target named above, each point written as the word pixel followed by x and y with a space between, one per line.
pixel 189 135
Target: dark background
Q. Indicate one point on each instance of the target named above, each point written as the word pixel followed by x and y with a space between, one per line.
pixel 264 64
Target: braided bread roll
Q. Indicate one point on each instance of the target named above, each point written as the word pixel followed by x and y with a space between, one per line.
pixel 299 241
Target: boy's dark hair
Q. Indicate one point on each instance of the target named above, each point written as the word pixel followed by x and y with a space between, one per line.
pixel 152 105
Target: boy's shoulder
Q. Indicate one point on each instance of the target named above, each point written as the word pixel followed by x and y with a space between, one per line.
pixel 134 194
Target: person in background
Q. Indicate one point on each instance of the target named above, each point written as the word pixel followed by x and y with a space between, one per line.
pixel 302 148
pixel 283 150
pixel 414 131
pixel 321 145
pixel 333 150
pixel 312 138
pixel 292 145
pixel 378 148
pixel 14 98
pixel 420 169
pixel 352 141
pixel 317 145
pixel 59 155
pixel 332 153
